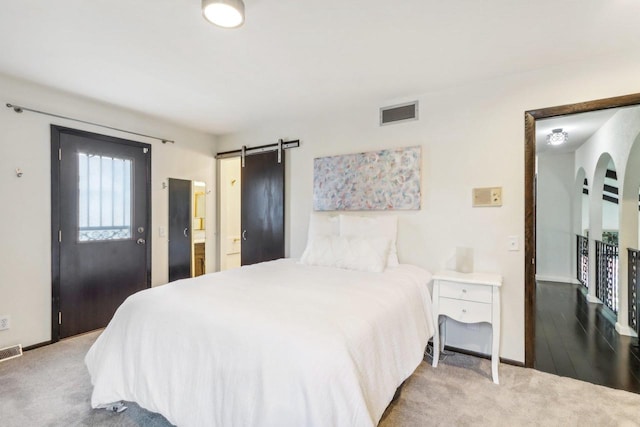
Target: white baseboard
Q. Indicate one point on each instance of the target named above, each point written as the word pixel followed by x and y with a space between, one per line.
pixel 625 330
pixel 591 298
pixel 559 279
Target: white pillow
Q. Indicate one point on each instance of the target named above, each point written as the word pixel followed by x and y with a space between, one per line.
pixel 352 253
pixel 385 226
pixel 323 225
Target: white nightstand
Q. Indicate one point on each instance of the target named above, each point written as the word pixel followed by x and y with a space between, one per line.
pixel 468 298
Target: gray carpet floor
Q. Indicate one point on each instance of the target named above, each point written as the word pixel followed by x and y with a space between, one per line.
pixel 50 386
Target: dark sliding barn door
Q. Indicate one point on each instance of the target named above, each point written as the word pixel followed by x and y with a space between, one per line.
pixel 179 229
pixel 100 221
pixel 262 208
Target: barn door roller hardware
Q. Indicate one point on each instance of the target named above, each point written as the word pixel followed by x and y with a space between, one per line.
pixel 244 151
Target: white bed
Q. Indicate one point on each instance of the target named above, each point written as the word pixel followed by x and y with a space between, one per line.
pixel 274 344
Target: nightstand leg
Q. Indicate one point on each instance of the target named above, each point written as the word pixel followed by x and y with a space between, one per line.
pixel 495 357
pixel 495 335
pixel 436 344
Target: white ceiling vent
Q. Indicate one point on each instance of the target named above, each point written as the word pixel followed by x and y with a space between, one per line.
pixel 399 113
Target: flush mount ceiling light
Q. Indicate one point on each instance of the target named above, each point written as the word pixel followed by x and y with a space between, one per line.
pixel 224 13
pixel 557 137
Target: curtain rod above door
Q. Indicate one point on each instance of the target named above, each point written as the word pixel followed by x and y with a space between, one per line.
pixel 20 109
pixel 259 149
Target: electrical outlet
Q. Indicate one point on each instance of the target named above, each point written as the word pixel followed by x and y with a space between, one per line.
pixel 496 196
pixel 5 322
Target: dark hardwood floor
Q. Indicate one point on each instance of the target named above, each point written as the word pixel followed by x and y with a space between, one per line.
pixel 578 339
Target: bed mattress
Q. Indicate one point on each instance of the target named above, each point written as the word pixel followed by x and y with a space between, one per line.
pixel 273 344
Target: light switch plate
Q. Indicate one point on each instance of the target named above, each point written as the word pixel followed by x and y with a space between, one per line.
pixel 5 322
pixel 487 197
pixel 514 244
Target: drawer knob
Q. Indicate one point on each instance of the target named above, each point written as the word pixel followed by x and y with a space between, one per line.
pixel 464 310
pixel 464 291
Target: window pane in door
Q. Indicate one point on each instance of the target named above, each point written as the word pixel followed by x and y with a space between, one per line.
pixel 104 198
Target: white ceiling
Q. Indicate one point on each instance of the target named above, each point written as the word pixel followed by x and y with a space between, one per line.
pixel 294 57
pixel 579 127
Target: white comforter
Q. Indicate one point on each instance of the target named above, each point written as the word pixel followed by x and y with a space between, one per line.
pixel 273 344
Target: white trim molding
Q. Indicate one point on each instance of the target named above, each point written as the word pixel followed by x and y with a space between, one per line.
pixel 559 279
pixel 591 298
pixel 625 330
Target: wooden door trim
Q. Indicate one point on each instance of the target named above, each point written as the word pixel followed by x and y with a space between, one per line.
pixel 530 118
pixel 56 132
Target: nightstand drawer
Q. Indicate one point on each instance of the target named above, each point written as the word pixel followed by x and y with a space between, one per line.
pixel 465 291
pixel 465 311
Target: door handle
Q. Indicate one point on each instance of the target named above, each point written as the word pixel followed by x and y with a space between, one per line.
pixel 185 232
pixel 141 241
pixel 244 237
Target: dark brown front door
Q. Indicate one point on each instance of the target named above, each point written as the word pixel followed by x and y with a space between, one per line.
pixel 100 227
pixel 262 208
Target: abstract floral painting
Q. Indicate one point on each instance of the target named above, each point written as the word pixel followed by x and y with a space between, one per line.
pixel 377 180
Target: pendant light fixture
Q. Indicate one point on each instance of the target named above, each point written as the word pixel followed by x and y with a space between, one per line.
pixel 224 13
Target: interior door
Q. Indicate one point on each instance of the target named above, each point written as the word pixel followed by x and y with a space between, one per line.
pixel 179 229
pixel 262 207
pixel 100 221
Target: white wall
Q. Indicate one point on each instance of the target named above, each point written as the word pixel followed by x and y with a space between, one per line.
pixel 229 203
pixel 585 214
pixel 610 216
pixel 554 229
pixel 471 136
pixel 615 137
pixel 25 217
